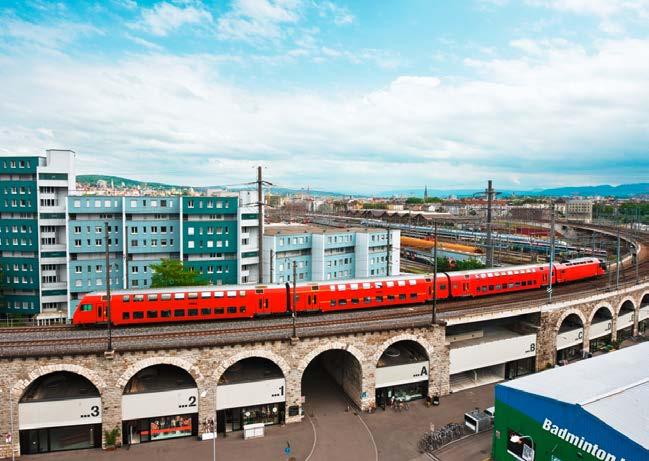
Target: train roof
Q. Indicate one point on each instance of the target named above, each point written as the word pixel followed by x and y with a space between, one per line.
pixel 203 288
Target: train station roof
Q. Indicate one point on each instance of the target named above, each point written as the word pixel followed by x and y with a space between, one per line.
pixel 612 387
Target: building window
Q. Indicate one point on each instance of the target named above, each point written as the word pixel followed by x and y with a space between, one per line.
pixel 190 244
pixel 190 231
pixel 190 204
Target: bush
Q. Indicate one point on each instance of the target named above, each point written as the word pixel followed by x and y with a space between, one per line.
pixel 111 436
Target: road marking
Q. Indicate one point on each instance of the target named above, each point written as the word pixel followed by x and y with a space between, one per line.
pixel 315 438
pixel 376 450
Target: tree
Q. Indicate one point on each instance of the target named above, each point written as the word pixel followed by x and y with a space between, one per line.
pixel 171 273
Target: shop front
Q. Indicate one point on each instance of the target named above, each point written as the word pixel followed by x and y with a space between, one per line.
pixel 401 383
pixel 570 345
pixel 60 425
pixel 155 416
pixel 239 404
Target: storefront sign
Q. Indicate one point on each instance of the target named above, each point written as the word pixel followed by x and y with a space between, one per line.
pixel 252 393
pixel 401 374
pixel 570 338
pixel 152 404
pixel 485 353
pixel 56 413
pixel 578 441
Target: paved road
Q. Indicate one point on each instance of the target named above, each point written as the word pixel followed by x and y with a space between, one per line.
pixel 476 447
pixel 340 434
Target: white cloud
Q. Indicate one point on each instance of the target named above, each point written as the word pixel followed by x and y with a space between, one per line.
pixel 45 37
pixel 165 17
pixel 556 114
pixel 341 14
pixel 257 19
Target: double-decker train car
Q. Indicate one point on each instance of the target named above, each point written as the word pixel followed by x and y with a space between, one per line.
pixel 182 304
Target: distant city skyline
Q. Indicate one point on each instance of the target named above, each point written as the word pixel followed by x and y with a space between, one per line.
pixel 356 97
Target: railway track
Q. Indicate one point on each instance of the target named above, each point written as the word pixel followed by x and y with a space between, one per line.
pixel 58 339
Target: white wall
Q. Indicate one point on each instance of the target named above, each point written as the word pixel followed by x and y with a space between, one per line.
pixel 252 393
pixel 401 374
pixel 152 404
pixel 317 257
pixel 491 353
pixel 395 241
pixel 73 412
pixel 362 257
pixel 644 313
pixel 570 338
pixel 599 329
pixel 625 320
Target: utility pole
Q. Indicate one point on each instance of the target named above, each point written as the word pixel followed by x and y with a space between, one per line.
pixel 108 316
pixel 490 250
pixel 126 257
pixel 294 310
pixel 389 258
pixel 260 218
pixel 272 266
pixel 617 257
pixel 552 218
pixel 434 317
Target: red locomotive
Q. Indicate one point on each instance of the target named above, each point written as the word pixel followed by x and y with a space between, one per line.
pixel 183 304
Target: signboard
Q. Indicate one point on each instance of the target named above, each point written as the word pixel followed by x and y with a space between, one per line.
pixel 401 374
pixel 570 338
pixel 152 404
pixel 251 393
pixel 482 352
pixel 55 413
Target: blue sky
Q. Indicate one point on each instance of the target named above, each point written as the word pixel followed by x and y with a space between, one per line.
pixel 356 96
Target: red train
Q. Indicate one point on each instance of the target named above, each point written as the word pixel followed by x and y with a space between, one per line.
pixel 182 304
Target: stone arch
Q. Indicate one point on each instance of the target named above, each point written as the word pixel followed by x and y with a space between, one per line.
pixel 627 298
pixel 566 314
pixel 336 345
pixel 264 354
pixel 152 361
pixel 597 307
pixel 19 388
pixel 403 337
pixel 644 293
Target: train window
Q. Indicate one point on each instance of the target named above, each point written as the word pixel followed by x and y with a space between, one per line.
pixel 152 314
pixel 491 288
pixel 165 296
pixel 179 295
pixel 86 307
pixel 389 284
pixel 354 300
pixel 126 315
pixel 219 310
pixel 166 314
pixel 498 287
pixel 266 302
pixel 442 286
pixel 242 293
pixel 524 283
pixel 379 299
pixel 232 294
pixel 192 295
pixel 259 291
pixel 179 312
pixel 517 284
pixel 126 298
pixel 333 302
pixel 353 286
pixel 390 297
pixel 314 288
pixel 484 288
pixel 206 311
pixel 403 295
pixel 510 285
pixel 218 294
pixel 367 299
pixel 367 286
pixel 138 315
pixel 232 310
pixel 412 282
pixel 151 297
pixel 342 302
pixel 242 309
pixel 401 283
pixel 138 298
pixel 206 294
pixel 413 295
pixel 378 284
pixel 192 312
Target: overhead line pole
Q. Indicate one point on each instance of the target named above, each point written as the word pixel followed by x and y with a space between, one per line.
pixel 551 269
pixel 260 219
pixel 490 250
pixel 617 257
pixel 434 313
pixel 108 313
pixel 294 310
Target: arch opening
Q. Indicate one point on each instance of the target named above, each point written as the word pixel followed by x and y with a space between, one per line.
pixel 59 411
pixel 643 316
pixel 332 380
pixel 625 320
pixel 570 339
pixel 600 332
pixel 250 391
pixel 402 373
pixel 159 402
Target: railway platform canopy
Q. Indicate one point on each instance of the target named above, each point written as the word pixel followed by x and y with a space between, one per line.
pixel 596 409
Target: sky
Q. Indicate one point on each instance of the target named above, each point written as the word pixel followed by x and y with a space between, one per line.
pixel 349 96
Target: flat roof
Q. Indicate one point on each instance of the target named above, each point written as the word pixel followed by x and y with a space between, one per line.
pixel 288 229
pixel 612 387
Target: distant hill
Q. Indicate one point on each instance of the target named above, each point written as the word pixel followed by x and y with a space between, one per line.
pixel 623 190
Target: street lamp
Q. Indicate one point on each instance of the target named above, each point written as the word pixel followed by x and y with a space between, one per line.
pixel 515 438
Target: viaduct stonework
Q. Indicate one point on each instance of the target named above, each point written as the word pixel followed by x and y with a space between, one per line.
pixel 206 365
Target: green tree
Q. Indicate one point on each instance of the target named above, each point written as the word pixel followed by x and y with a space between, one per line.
pixel 414 200
pixel 171 273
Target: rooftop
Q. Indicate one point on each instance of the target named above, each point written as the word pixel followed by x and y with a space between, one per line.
pixel 612 387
